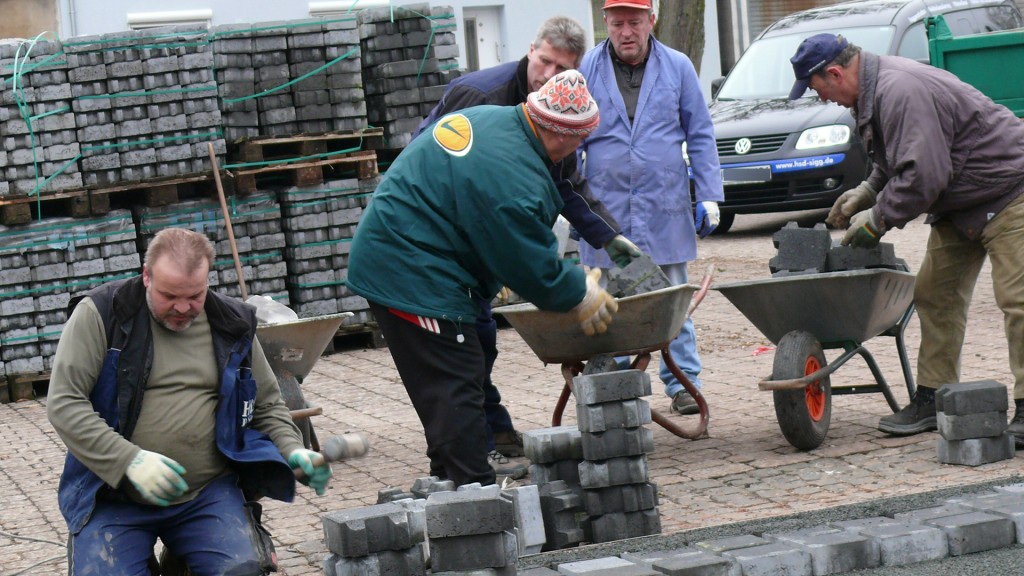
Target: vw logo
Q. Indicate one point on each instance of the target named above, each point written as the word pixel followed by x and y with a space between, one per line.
pixel 743 146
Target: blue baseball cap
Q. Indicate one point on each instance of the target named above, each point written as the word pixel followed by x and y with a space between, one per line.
pixel 812 56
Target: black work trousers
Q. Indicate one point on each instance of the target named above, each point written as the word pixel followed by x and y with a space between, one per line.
pixel 444 380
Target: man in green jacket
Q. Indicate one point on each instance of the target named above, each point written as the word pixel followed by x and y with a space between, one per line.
pixel 465 209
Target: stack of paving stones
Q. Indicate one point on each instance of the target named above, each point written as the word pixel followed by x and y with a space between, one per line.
pixel 811 251
pixel 233 57
pixel 260 240
pixel 409 55
pixel 275 105
pixel 971 419
pixel 44 159
pixel 617 495
pixel 555 455
pixel 957 526
pixel 344 74
pixel 377 540
pixel 44 264
pixel 472 529
pixel 307 57
pixel 145 104
pixel 319 225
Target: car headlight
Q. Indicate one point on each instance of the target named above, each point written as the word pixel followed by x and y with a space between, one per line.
pixel 823 136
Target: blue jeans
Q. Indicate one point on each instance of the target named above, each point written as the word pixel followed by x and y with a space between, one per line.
pixel 683 348
pixel 211 534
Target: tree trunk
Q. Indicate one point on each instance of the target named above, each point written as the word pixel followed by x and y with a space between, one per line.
pixel 680 25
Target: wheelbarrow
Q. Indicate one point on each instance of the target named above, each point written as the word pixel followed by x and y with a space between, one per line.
pixel 806 314
pixel 643 324
pixel 292 348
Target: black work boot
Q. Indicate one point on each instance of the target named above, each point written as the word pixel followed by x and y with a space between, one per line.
pixel 1016 426
pixel 916 417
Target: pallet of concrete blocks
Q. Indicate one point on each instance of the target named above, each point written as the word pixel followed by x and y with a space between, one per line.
pixel 44 264
pixel 145 104
pixel 40 151
pixel 472 529
pixel 971 419
pixel 344 73
pixel 309 217
pixel 260 241
pixel 617 494
pixel 325 64
pixel 409 55
pixel 377 540
pixel 812 251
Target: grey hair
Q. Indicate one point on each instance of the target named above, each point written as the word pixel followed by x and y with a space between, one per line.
pixel 563 33
pixel 187 248
pixel 842 60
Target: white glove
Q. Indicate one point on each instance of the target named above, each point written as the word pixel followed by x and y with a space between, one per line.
pixel 854 200
pixel 596 309
pixel 156 477
pixel 708 217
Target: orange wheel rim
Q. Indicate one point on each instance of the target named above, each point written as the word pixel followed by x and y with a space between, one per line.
pixel 812 393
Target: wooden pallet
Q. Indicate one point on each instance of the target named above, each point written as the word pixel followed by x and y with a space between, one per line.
pixel 27 386
pixel 18 209
pixel 304 158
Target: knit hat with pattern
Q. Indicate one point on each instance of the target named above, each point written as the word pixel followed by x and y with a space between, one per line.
pixel 564 105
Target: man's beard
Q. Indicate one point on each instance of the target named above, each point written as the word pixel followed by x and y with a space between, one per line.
pixel 162 321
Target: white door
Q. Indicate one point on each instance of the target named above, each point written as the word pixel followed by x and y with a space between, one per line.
pixel 483 37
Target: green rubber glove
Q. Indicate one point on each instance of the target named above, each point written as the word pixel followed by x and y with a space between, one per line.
pixel 865 230
pixel 316 471
pixel 156 477
pixel 622 251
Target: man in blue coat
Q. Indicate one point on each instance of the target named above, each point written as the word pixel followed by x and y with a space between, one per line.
pixel 651 106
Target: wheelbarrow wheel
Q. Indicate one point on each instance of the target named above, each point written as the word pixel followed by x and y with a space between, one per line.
pixel 804 414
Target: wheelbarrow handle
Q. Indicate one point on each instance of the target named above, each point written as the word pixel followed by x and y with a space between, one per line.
pixel 705 284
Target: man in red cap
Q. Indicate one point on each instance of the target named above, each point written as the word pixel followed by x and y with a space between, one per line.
pixel 465 209
pixel 651 106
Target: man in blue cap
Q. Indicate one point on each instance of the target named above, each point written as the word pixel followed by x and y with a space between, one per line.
pixel 942 148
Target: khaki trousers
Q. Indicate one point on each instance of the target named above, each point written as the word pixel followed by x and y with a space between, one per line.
pixel 946 282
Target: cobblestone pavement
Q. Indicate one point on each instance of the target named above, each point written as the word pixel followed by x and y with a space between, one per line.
pixel 744 470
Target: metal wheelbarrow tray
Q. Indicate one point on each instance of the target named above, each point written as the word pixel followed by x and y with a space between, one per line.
pixel 805 314
pixel 644 322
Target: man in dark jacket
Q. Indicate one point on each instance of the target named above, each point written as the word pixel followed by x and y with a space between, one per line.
pixel 466 209
pixel 559 45
pixel 939 147
pixel 170 411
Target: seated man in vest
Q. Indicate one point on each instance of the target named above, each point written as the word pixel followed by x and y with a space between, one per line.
pixel 172 417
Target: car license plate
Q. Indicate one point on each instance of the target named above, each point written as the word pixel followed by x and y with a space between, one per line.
pixel 746 174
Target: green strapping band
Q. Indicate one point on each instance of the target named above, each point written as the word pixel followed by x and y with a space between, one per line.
pixel 59 227
pixel 319 284
pixel 145 93
pixel 253 258
pixel 64 287
pixel 50 113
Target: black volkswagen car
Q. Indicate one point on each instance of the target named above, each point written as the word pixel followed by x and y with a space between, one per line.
pixel 779 155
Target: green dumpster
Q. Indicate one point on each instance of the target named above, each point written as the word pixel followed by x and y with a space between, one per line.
pixel 990 62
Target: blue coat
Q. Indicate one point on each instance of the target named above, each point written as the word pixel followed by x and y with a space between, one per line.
pixel 117 396
pixel 638 170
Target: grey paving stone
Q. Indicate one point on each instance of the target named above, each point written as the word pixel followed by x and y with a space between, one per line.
pixel 842 258
pixel 922 515
pixel 833 551
pixel 722 545
pixel 469 512
pixel 900 544
pixel 622 525
pixel 800 248
pixel 772 560
pixel 977 425
pixel 563 514
pixel 362 531
pixel 975 532
pixel 627 498
pixel 566 470
pixel 608 566
pixel 971 398
pixel 601 417
pixel 473 552
pixel 697 563
pixel 614 386
pixel 613 472
pixel 617 443
pixel 407 562
pixel 975 451
pixel 529 520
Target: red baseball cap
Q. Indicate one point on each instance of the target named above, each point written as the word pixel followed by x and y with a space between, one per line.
pixel 642 4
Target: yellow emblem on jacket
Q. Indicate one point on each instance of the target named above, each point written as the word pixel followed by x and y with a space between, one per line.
pixel 454 133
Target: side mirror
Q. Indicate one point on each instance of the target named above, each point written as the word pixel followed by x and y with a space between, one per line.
pixel 716 85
